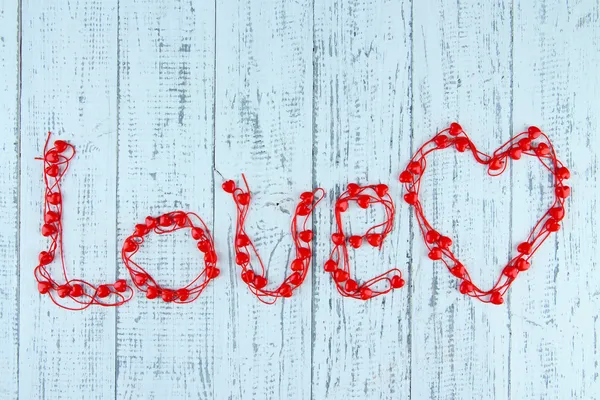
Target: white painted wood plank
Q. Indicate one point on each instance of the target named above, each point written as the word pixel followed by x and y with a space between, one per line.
pixel 263 129
pixel 166 69
pixel 9 184
pixel 462 71
pixel 69 87
pixel 554 313
pixel 361 350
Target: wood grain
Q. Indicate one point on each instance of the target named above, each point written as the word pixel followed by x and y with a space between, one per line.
pixel 166 89
pixel 554 313
pixel 263 129
pixel 9 184
pixel 362 114
pixel 69 87
pixel 462 71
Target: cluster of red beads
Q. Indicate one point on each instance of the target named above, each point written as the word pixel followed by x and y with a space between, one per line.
pixel 533 143
pixel 168 223
pixel 338 264
pixel 83 294
pixel 256 280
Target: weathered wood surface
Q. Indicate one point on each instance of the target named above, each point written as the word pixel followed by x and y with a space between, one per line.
pixel 157 96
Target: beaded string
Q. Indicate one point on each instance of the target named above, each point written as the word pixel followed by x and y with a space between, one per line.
pixel 532 143
pixel 243 245
pixel 83 294
pixel 338 264
pixel 165 224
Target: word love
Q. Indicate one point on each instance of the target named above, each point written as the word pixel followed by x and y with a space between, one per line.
pixel 80 294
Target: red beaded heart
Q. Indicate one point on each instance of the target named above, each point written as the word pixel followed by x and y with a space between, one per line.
pixel 532 143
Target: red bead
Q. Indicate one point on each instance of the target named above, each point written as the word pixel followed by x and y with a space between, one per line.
pixel 52 156
pixel 363 201
pixel 285 290
pixel 52 171
pixel 353 189
pixel 441 141
pixel 44 287
pixel 164 220
pixel 242 240
pixel 182 294
pixel 248 276
pixel 129 245
pixel 180 219
pixel 458 271
pixel 557 213
pixel 76 290
pixel 307 197
pixel 54 198
pixel 511 272
pixel 45 258
pixel 522 264
pixel 411 198
pixel 563 173
pixel 151 292
pixel 496 298
pixel 461 144
pixel 340 275
pixel 525 144
pixel 435 254
pixel 63 291
pixel 524 248
pixel 374 239
pixel 260 282
pixel 542 149
pixel 120 285
pixel 534 132
pixel 405 177
pixel 140 279
pixel 60 145
pixel 48 230
pixel 102 291
pixel 330 266
pixel 295 279
pixel 141 230
pixel 337 238
pixel 210 257
pixel 415 167
pixel 150 222
pixel 355 241
pixel 243 198
pixel 444 242
pixel 563 191
pixel 297 265
pixel 204 246
pixel 351 286
pixel 167 295
pixel 228 186
pixel 515 153
pixel 242 258
pixel 197 233
pixel 212 272
pixel 302 210
pixel 496 164
pixel 381 189
pixel 466 287
pixel 341 206
pixel 552 225
pixel 304 253
pixel 397 282
pixel 432 236
pixel 306 236
pixel 366 293
pixel 455 129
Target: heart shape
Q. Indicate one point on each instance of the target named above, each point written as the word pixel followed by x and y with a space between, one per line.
pixel 519 145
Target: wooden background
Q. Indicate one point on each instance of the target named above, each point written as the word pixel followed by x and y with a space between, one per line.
pixel 156 95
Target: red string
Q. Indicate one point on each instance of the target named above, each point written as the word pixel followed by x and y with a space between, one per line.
pixel 164 224
pixel 243 245
pixel 533 143
pixel 338 264
pixel 81 293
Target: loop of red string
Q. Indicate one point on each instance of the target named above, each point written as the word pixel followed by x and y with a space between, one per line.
pixel 243 245
pixel 80 293
pixel 532 143
pixel 338 264
pixel 164 224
